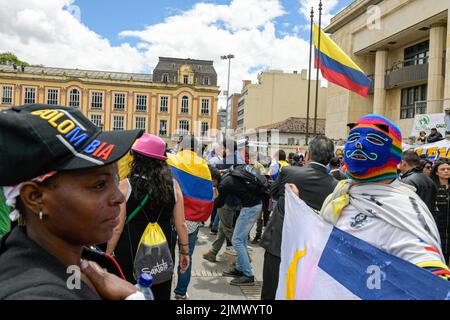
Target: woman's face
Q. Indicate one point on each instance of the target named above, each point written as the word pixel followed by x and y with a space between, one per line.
pixel 427 169
pixel 82 208
pixel 443 171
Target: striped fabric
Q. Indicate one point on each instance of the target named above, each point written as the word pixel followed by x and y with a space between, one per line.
pixel 194 178
pixel 337 67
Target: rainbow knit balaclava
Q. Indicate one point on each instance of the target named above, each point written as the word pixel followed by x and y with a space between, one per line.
pixel 373 149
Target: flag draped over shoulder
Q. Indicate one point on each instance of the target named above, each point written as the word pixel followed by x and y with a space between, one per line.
pixel 194 178
pixel 337 67
pixel 319 261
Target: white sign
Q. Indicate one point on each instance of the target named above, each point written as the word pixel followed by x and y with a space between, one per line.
pixel 425 122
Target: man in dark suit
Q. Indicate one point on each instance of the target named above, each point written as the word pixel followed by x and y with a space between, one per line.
pixel 314 184
pixel 335 169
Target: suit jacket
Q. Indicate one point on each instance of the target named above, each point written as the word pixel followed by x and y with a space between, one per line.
pixel 314 184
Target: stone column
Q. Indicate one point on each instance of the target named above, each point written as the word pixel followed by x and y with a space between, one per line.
pixel 435 68
pixel 379 93
pixel 447 68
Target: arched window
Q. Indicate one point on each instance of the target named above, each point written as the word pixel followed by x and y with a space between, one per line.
pixel 74 98
pixel 165 78
pixel 185 104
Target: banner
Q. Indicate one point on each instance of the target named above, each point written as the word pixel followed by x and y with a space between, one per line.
pixel 320 261
pixel 425 122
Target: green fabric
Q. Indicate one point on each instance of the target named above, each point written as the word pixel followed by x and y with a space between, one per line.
pixel 5 224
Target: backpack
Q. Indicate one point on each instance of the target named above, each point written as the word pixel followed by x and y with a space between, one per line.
pixel 254 181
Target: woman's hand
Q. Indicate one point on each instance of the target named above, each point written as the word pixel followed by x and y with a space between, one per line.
pixel 293 188
pixel 108 285
pixel 184 262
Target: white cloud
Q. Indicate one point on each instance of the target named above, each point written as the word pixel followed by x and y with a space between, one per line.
pixel 328 10
pixel 41 32
pixel 245 28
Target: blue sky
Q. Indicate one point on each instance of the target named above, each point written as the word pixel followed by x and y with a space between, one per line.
pixel 109 18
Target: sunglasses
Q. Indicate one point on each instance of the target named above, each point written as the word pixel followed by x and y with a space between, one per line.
pixel 428 167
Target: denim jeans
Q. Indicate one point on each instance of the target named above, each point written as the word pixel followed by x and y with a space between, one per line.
pixel 244 224
pixel 185 278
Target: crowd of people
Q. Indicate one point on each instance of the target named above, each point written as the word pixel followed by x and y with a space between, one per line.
pixel 62 203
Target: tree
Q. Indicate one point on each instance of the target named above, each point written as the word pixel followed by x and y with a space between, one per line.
pixel 10 58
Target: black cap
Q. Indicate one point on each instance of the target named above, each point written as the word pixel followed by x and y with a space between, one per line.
pixel 36 139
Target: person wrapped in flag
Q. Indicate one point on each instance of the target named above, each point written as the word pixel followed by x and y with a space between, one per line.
pixel 375 206
pixel 373 239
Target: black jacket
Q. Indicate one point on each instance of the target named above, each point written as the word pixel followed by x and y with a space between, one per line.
pixel 338 175
pixel 232 187
pixel 314 184
pixel 441 214
pixel 425 187
pixel 434 137
pixel 27 271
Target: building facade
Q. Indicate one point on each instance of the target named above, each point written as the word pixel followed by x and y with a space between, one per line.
pixel 179 98
pixel 232 111
pixel 276 97
pixel 404 46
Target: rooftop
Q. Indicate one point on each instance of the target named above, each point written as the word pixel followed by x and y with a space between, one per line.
pixel 77 73
pixel 295 125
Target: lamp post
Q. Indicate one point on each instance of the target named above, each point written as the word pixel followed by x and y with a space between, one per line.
pixel 228 57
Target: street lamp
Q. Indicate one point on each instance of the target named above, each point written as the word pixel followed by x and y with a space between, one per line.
pixel 229 57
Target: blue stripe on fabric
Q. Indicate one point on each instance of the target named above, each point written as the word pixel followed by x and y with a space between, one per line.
pixel 192 186
pixel 348 260
pixel 354 75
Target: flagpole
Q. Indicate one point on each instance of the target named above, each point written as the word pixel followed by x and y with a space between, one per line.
pixel 318 67
pixel 309 77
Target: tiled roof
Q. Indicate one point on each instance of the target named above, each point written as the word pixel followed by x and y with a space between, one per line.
pixel 296 125
pixel 76 73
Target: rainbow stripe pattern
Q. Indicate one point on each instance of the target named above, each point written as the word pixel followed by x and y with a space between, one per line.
pixel 387 170
pixel 337 67
pixel 194 178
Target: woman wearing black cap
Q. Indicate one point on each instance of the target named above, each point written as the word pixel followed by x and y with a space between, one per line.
pixel 61 179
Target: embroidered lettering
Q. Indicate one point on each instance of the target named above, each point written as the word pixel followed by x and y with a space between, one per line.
pixel 65 126
pixel 48 114
pixel 57 117
pixel 76 138
pixel 106 152
pixel 92 147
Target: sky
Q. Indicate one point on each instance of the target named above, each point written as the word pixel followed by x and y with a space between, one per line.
pixel 130 35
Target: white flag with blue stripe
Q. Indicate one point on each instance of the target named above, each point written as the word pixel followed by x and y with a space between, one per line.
pixel 319 261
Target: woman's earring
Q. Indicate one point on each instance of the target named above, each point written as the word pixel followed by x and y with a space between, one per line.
pixel 40 214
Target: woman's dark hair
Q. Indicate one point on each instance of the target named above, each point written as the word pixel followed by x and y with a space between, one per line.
pixel 424 162
pixel 151 174
pixel 433 174
pixel 215 174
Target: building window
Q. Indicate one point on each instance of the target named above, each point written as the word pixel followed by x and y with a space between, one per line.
pixel 204 129
pixel 97 100
pixel 183 126
pixel 185 104
pixel 97 119
pixel 186 79
pixel 409 98
pixel 119 101
pixel 164 104
pixel 163 128
pixel 30 95
pixel 7 95
pixel 165 78
pixel 206 81
pixel 118 123
pixel 52 96
pixel 205 107
pixel 141 123
pixel 74 98
pixel 141 102
pixel 417 54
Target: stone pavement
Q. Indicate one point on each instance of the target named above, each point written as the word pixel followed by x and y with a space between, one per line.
pixel 207 282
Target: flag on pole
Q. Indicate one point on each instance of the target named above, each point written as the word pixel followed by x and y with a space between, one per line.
pixel 337 67
pixel 319 261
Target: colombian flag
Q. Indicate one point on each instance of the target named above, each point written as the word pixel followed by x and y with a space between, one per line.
pixel 337 67
pixel 194 177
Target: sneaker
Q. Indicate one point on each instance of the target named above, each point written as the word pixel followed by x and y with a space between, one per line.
pixel 243 281
pixel 255 240
pixel 231 251
pixel 209 256
pixel 213 233
pixel 180 297
pixel 233 272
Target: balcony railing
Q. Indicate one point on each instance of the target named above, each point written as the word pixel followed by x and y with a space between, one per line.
pixel 410 70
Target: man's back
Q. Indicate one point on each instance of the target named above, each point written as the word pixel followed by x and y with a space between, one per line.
pixel 425 187
pixel 314 184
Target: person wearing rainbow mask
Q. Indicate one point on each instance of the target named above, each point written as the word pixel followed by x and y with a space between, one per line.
pixel 375 206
